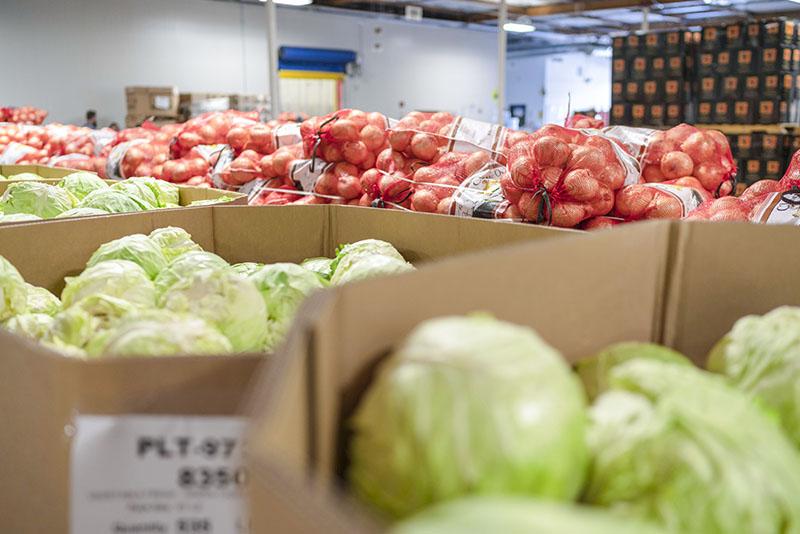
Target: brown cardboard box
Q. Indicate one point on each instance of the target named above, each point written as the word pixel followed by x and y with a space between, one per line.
pixel 152 101
pixel 326 364
pixel 132 121
pixel 42 170
pixel 193 104
pixel 42 392
pixel 688 284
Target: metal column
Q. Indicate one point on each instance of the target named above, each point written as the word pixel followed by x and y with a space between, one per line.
pixel 272 59
pixel 502 16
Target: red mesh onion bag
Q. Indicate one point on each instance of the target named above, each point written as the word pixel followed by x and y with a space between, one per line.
pixel 688 151
pixel 211 129
pixel 348 135
pixel 580 121
pixel 562 177
pixel 673 199
pixel 421 135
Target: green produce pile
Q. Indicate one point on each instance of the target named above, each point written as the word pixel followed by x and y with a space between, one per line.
pixel 475 425
pixel 161 294
pixel 82 194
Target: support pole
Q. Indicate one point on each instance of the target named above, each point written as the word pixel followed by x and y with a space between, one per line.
pixel 501 62
pixel 272 60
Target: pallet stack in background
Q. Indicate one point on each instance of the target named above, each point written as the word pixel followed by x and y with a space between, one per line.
pixel 651 78
pixel 762 155
pixel 747 73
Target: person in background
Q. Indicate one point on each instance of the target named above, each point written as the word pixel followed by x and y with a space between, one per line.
pixel 91 119
pixel 114 126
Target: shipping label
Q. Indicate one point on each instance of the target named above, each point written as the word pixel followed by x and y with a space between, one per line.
pixel 467 135
pixel 287 134
pixel 157 474
pixel 305 173
pixel 114 161
pixel 480 195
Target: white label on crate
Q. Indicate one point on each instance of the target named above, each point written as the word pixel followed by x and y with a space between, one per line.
pixel 14 152
pixel 287 134
pixel 207 152
pixel 305 173
pixel 480 195
pixel 157 474
pixel 688 197
pixel 467 134
pixel 780 208
pixel 162 102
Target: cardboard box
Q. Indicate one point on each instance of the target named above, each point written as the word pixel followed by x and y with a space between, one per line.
pixel 676 66
pixel 689 284
pixel 724 63
pixel 751 86
pixel 152 101
pixel 638 114
pixel 633 44
pixel 706 63
pixel 193 104
pixel 778 32
pixel 638 68
pixel 617 92
pixel 712 38
pixel 771 146
pixel 675 41
pixel 619 69
pixel 242 102
pixel 43 392
pixel 735 34
pixel 656 115
pixel 753 34
pixel 620 113
pixel 743 112
pixel 746 61
pixel 658 67
pixel 729 87
pixel 42 170
pixel 752 170
pixel 775 59
pixel 705 112
pixel 652 91
pixel 618 44
pixel 744 146
pixel 633 91
pixel 773 168
pixel 654 43
pixel 132 121
pixel 723 112
pixel 674 90
pixel 772 111
pixel 709 87
pixel 675 114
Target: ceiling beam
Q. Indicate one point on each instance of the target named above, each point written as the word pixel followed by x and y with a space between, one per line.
pixel 591 5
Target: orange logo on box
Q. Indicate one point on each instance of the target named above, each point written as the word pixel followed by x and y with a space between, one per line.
pixel 633 40
pixel 639 63
pixel 673 38
pixel 651 39
pixel 753 29
pixel 743 141
pixel 773 166
pixel 705 59
pixel 769 141
pixel 658 63
pixel 753 165
pixel 788 80
pixel 765 107
pixel 649 87
pixel 733 32
pixel 673 110
pixel 771 81
pixel 709 33
pixel 657 111
pixel 704 108
pixel 752 82
pixel 637 111
pixel 619 65
pixel 616 88
pixel 731 83
pixel 721 108
pixel 618 110
pixel 745 56
pixel 708 83
pixel 742 108
pixel 770 55
pixel 724 57
pixel 671 87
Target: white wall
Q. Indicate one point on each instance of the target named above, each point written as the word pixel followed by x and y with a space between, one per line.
pixel 584 78
pixel 525 84
pixel 70 55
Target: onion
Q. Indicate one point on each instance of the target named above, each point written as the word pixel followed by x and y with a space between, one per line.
pixel 551 151
pixel 424 201
pixel 567 214
pixel 373 137
pixel 344 130
pixel 676 164
pixel 349 187
pixel 580 185
pixel 700 147
pixel 354 152
pixel 423 146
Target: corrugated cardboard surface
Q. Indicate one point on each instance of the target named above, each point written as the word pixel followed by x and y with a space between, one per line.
pixel 580 293
pixel 724 272
pixel 41 392
pixel 41 170
pixel 144 100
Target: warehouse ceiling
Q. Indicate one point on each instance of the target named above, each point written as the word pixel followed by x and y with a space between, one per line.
pixel 560 24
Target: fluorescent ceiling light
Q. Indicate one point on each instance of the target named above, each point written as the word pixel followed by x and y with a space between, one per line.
pixel 292 2
pixel 519 27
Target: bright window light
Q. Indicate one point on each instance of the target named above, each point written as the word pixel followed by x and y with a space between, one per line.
pixel 519 27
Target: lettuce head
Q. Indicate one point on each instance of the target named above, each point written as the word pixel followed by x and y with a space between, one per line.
pixel 137 248
pixel 186 265
pixel 40 300
pixel 113 201
pixel 173 241
pixel 89 317
pixel 13 291
pixel 469 405
pixel 36 198
pixel 37 326
pixel 80 184
pixel 122 279
pixel 166 194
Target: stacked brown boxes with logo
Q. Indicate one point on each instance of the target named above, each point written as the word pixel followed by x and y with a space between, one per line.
pixel 651 78
pixel 157 104
pixel 747 73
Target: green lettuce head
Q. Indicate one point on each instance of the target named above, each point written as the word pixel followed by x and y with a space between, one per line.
pixel 246 268
pixel 321 266
pixel 115 278
pixel 25 176
pixel 20 217
pixel 761 356
pixel 366 247
pixel 138 190
pixel 89 317
pixel 283 286
pixel 517 515
pixel 594 371
pixel 36 326
pixel 80 184
pixel 469 405
pixel 161 333
pixel 173 241
pixel 186 265
pixel 13 291
pixel 113 201
pixel 368 267
pixel 81 212
pixel 36 198
pixel 226 300
pixel 41 300
pixel 137 248
pixel 678 446
pixel 165 193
